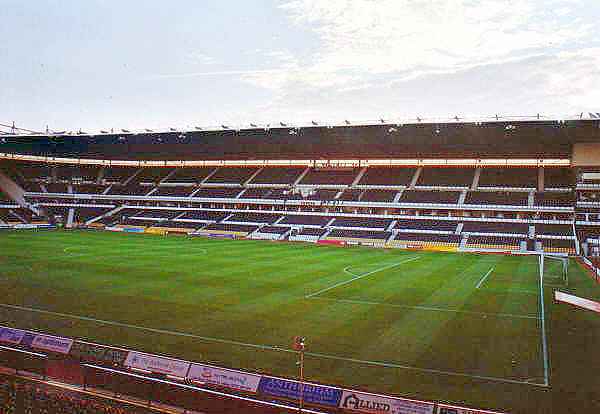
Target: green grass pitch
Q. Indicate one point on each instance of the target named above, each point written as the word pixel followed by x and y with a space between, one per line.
pixel 465 328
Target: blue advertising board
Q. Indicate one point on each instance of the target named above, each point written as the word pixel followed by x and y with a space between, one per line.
pixel 313 394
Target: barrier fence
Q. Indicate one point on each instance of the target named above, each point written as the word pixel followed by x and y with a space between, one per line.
pixel 189 385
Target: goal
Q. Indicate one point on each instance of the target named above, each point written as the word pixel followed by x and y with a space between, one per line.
pixel 554 269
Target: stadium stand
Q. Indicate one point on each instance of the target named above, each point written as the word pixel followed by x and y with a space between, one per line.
pixel 446 177
pixel 425 225
pixel 495 243
pixel 554 199
pixel 430 197
pixel 330 177
pixel 358 234
pixel 478 227
pixel 274 175
pixel 306 220
pixel 189 175
pixel 418 199
pixel 513 177
pixel 498 198
pixel 231 175
pixel 392 177
pixel 361 222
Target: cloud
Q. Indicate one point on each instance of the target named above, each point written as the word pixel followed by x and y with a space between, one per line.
pixel 199 58
pixel 362 39
pixel 211 73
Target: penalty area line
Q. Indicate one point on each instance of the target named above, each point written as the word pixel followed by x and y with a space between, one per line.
pixel 274 348
pixel 484 278
pixel 345 282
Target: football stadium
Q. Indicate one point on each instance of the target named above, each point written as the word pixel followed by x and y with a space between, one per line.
pixel 300 206
pixel 410 278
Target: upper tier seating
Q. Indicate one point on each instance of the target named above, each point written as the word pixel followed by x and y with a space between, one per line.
pixel 558 178
pixel 118 174
pixel 172 192
pixel 351 195
pixel 436 197
pixel 56 188
pixel 381 196
pixel 359 234
pixel 554 229
pixel 30 171
pixel 254 217
pixel 231 175
pixel 361 222
pixel 305 220
pixel 330 176
pixel 426 224
pixel 446 177
pixel 323 194
pixel 189 175
pixel 552 199
pixel 204 215
pixel 273 175
pixel 89 189
pixel 78 172
pixel 129 190
pixel 31 187
pixel 514 177
pixel 495 227
pixel 497 197
pixel 162 214
pixel 266 193
pixel 152 175
pixel 387 176
pixel 226 192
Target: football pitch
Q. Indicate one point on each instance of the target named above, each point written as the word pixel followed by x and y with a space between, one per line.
pixel 475 329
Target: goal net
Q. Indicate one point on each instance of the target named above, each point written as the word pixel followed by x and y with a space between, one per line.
pixel 554 269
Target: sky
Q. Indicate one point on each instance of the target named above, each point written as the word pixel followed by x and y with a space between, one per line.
pixel 99 64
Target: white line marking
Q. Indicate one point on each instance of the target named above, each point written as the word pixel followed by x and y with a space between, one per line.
pixel 345 282
pixel 484 277
pixel 428 308
pixel 543 327
pixel 430 370
pixel 272 348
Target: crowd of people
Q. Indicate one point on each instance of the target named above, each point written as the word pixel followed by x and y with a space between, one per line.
pixel 27 398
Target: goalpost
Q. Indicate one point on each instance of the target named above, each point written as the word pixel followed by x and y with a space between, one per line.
pixel 554 267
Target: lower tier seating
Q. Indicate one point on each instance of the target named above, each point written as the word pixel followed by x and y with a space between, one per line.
pixel 359 234
pixel 426 224
pixel 231 228
pixel 494 242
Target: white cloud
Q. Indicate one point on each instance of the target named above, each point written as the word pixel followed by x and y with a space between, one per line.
pixel 197 57
pixel 414 37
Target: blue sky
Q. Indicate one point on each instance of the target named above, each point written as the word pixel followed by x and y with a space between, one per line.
pixel 130 64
